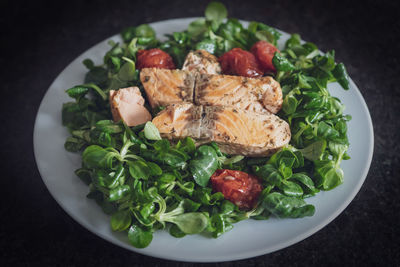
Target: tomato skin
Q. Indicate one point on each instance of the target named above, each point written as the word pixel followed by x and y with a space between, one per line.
pixel 154 58
pixel 264 52
pixel 240 62
pixel 241 188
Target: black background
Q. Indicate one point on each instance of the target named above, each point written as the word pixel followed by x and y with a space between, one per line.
pixel 38 39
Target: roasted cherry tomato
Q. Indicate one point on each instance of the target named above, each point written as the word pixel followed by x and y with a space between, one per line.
pixel 241 188
pixel 264 52
pixel 154 58
pixel 240 62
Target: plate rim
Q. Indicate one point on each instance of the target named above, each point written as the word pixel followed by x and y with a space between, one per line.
pixel 238 256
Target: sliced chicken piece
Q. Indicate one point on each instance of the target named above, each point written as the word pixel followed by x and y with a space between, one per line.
pixel 202 62
pixel 235 131
pixel 164 87
pixel 127 104
pixel 253 94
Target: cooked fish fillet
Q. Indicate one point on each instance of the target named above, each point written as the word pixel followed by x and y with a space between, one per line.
pixel 253 94
pixel 127 104
pixel 179 120
pixel 235 131
pixel 164 86
pixel 202 62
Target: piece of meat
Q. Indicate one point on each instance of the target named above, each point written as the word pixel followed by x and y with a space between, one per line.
pixel 164 87
pixel 179 120
pixel 127 104
pixel 202 62
pixel 236 131
pixel 253 94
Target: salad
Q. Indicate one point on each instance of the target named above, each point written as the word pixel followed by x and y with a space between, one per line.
pixel 148 183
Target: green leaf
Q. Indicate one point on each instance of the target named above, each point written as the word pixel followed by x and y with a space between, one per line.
pixel 147 209
pixel 230 44
pixel 107 207
pixel 145 30
pixel 139 237
pixel 108 126
pixel 264 32
pixel 127 72
pixel 155 170
pixel 151 132
pixel 203 165
pixel 121 220
pixel 265 36
pixel 197 27
pixel 173 157
pixel 314 150
pixel 97 75
pixel 186 145
pixel 290 104
pixel 116 61
pixel 84 175
pixel 73 144
pixel 337 149
pixel 77 92
pixel 220 225
pixel 97 157
pixel 190 223
pixel 327 131
pixel 306 181
pixel 88 63
pixel 294 40
pixel 281 63
pixel 208 45
pixel 216 11
pixel 167 177
pixel 340 73
pixel 109 179
pixel 327 174
pixel 97 89
pixel 119 192
pixel 176 232
pixel 116 83
pixel 138 169
pixel 287 207
pixel 231 160
pixel 269 173
pixel 128 34
pixel 291 189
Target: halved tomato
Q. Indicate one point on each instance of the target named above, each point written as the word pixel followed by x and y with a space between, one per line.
pixel 241 188
pixel 264 52
pixel 240 62
pixel 154 58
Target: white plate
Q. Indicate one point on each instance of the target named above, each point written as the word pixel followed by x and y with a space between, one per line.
pixel 248 238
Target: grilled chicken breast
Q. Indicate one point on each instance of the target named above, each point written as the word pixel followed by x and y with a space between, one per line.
pixel 164 87
pixel 202 62
pixel 235 131
pixel 127 104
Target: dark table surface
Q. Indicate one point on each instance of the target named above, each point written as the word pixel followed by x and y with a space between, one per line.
pixel 40 38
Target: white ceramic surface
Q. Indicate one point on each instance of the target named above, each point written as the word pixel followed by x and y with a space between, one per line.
pixel 248 238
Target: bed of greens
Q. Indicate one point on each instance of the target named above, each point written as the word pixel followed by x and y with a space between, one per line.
pixel 147 183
